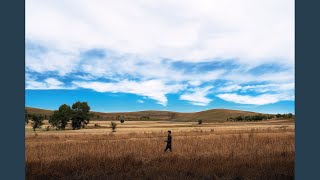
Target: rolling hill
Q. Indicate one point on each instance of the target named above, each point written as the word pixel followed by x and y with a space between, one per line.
pixel 213 115
pixel 43 112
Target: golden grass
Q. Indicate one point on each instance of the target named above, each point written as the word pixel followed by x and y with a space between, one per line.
pixel 203 154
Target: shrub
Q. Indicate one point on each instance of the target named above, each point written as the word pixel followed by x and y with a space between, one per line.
pixel 278 115
pixel 121 118
pixel 257 117
pixel 239 118
pixel 113 126
pixel 144 117
pixel 199 121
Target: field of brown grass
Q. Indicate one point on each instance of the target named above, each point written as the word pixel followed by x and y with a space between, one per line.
pixel 256 150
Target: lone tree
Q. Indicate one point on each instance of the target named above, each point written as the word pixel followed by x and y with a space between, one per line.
pixel 80 115
pixel 199 121
pixel 113 126
pixel 37 121
pixel 61 117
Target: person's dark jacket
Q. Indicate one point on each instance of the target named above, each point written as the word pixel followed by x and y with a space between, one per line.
pixel 169 139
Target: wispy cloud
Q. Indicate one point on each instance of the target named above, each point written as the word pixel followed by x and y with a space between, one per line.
pixel 259 88
pixel 140 101
pixel 49 83
pixel 255 100
pixel 152 89
pixel 197 96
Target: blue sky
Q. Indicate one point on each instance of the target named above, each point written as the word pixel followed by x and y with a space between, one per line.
pixel 180 56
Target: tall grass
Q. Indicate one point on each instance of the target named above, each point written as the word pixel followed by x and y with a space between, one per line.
pixel 197 155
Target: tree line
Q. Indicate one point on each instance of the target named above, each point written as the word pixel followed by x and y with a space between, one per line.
pixel 284 116
pixel 79 115
pixel 260 117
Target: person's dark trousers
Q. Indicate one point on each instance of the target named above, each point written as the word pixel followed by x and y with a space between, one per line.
pixel 168 147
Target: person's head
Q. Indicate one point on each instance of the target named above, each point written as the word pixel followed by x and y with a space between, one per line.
pixel 169 132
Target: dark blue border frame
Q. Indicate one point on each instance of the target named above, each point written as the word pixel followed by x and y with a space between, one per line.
pixel 12 73
pixel 307 89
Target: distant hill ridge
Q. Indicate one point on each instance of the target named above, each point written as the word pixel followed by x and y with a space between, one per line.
pixel 212 115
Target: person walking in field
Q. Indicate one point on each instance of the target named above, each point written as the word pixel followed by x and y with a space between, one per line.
pixel 169 140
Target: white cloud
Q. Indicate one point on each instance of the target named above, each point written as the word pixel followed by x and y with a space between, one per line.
pixel 229 88
pixel 53 82
pixel 260 88
pixel 249 31
pixel 240 76
pixel 197 96
pixel 140 101
pixel 269 88
pixel 153 89
pixel 195 83
pixel 53 60
pixel 268 93
pixel 49 83
pixel 115 66
pixel 255 100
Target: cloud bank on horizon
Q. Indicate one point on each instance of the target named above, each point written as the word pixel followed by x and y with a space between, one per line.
pixel 236 51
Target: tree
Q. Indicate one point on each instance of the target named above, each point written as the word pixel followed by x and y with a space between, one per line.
pixel 199 121
pixel 26 116
pixel 239 118
pixel 270 116
pixel 61 117
pixel 37 121
pixel 113 126
pixel 80 115
pixel 290 115
pixel 54 119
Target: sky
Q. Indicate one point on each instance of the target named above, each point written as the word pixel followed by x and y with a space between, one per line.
pixel 183 55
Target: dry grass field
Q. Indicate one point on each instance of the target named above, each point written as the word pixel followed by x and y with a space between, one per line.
pixel 230 150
